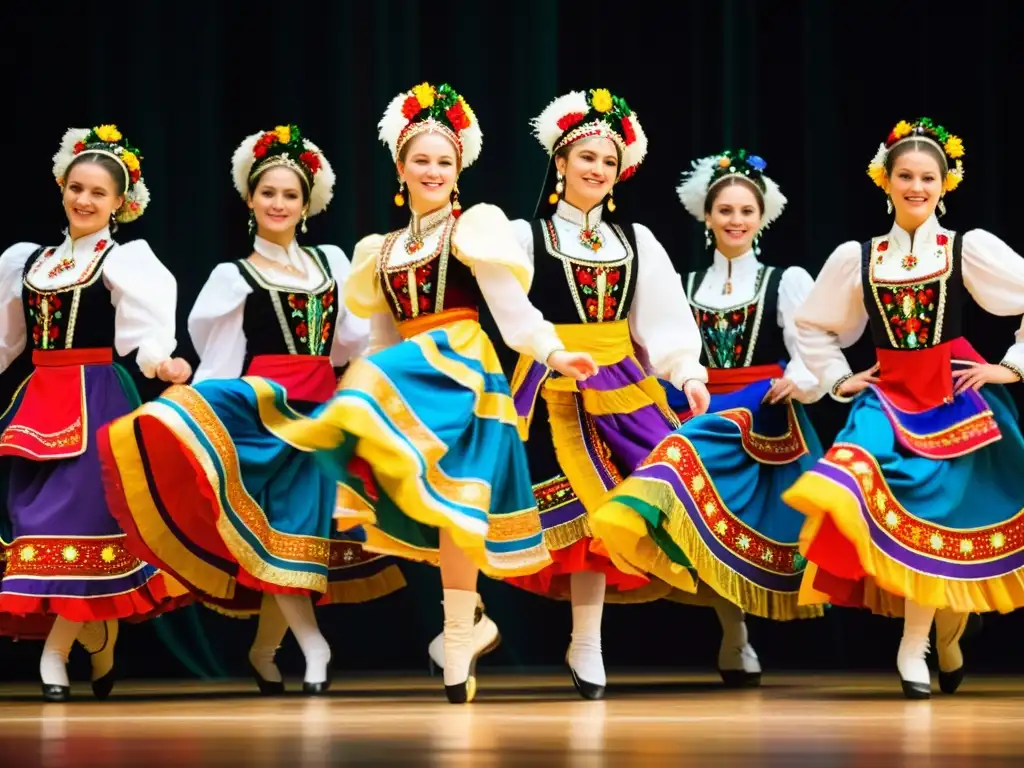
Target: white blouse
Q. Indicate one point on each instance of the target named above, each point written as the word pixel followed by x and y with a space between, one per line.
pixel 833 315
pixel 484 240
pixel 143 293
pixel 794 286
pixel 216 321
pixel 660 318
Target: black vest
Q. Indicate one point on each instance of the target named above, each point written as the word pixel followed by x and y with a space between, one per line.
pixel 744 334
pixel 285 321
pixel 915 314
pixel 80 316
pixel 572 290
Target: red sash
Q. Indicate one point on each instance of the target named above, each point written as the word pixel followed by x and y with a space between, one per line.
pixel 721 381
pixel 51 421
pixel 304 377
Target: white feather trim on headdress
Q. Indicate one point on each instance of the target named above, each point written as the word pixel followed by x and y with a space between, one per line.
pixel 693 191
pixel 573 109
pixel 394 122
pixel 136 197
pixel 546 125
pixel 243 160
pixel 66 153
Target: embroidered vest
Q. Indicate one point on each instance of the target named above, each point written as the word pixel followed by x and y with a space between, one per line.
pixel 53 317
pixel 574 290
pixel 919 312
pixel 430 284
pixel 285 321
pixel 744 334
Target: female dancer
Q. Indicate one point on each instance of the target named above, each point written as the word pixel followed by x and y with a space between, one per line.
pixel 276 314
pixel 909 512
pixel 708 497
pixel 75 304
pixel 420 435
pixel 608 287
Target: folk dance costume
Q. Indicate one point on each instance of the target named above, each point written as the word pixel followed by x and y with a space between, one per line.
pixel 75 304
pixel 276 315
pixel 708 497
pixel 422 433
pixel 910 512
pixel 604 285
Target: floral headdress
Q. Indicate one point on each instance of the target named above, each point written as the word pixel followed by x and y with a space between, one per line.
pixel 426 108
pixel 106 140
pixel 581 115
pixel 923 128
pixel 710 171
pixel 284 147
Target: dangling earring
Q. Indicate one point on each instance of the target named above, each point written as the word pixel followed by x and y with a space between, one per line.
pixel 252 221
pixel 610 205
pixel 113 223
pixel 707 237
pixel 888 205
pixel 757 244
pixel 399 197
pixel 559 189
pixel 942 207
pixel 456 205
pixel 304 230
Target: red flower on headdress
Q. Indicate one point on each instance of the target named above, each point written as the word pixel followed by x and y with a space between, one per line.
pixel 79 147
pixel 568 121
pixel 457 117
pixel 311 161
pixel 628 134
pixel 259 151
pixel 411 107
pixel 136 175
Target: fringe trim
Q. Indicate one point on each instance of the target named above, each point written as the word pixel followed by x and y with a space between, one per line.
pixel 352 591
pixel 888 582
pixel 620 537
pixel 567 534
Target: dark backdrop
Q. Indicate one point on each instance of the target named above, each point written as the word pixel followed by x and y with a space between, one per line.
pixel 812 86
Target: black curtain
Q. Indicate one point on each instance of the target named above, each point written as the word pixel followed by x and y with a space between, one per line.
pixel 811 86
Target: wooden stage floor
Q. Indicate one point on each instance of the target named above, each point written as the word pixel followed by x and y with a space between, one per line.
pixel 845 721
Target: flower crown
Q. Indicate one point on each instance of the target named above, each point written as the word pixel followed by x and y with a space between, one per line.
pixel 578 115
pixel 106 140
pixel 426 108
pixel 923 128
pixel 284 147
pixel 709 171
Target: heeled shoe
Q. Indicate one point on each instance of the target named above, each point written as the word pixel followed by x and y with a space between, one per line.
pixel 56 693
pixel 914 690
pixel 266 687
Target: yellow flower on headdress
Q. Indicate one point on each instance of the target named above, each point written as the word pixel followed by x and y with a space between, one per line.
pixel 602 100
pixel 724 162
pixel 954 147
pixel 902 129
pixel 108 133
pixel 424 93
pixel 284 133
pixel 878 175
pixel 954 177
pixel 130 160
pixel 467 111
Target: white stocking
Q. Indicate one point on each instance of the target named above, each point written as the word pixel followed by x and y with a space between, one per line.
pixel 298 612
pixel 584 655
pixel 53 666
